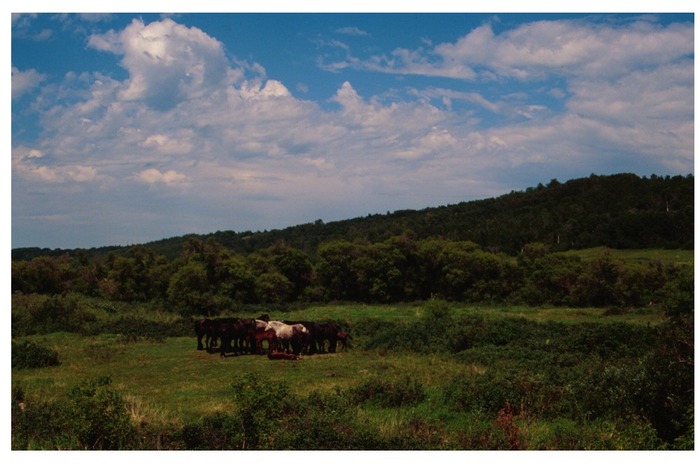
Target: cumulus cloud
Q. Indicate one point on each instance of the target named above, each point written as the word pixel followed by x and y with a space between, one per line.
pixel 153 176
pixel 24 81
pixel 168 63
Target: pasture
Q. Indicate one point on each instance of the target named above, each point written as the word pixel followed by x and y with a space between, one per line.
pixel 514 377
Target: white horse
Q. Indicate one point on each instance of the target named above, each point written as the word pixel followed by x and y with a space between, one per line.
pixel 289 335
pixel 260 324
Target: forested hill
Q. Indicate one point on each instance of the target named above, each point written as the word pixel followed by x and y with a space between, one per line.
pixel 618 211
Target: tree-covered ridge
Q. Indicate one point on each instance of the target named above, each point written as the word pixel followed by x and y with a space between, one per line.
pixel 618 211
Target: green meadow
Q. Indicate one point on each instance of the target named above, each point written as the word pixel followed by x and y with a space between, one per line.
pixel 416 376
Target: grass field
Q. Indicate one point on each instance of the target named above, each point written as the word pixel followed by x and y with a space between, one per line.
pixel 170 381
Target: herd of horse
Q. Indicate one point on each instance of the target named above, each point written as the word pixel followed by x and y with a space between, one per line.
pixel 279 339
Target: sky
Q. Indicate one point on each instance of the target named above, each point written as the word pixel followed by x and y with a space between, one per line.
pixel 130 128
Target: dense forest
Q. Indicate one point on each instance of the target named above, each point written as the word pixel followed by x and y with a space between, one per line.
pixel 511 249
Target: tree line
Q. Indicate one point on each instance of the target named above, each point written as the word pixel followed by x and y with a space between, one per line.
pixel 622 211
pixel 208 278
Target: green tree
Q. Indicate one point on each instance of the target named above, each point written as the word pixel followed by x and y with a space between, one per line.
pixel 237 280
pixel 379 271
pixel 335 271
pixel 189 290
pixel 273 287
pixel 294 264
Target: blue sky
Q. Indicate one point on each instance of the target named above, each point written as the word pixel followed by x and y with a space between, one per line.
pixel 128 128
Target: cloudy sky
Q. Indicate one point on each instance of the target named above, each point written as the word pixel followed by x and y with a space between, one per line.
pixel 128 128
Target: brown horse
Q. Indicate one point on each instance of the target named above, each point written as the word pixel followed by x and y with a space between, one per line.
pixel 268 335
pixel 283 355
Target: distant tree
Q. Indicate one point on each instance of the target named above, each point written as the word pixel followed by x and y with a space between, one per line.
pixel 379 270
pixel 334 269
pixel 294 264
pixel 237 280
pixel 44 274
pixel 273 287
pixel 189 291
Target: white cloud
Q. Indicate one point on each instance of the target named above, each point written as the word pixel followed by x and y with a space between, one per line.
pixel 168 63
pixel 175 144
pixel 24 81
pixel 351 31
pixel 569 48
pixel 153 176
pixel 29 163
pixel 109 41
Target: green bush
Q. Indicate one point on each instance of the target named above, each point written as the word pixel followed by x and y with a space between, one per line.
pixel 99 419
pixel 31 355
pixel 394 393
pixel 59 313
pixel 218 431
pixel 93 417
pixel 268 417
pixel 39 424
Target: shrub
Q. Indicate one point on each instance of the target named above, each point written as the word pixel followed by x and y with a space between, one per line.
pixel 93 418
pixel 99 418
pixel 402 391
pixel 218 431
pixel 40 424
pixel 60 313
pixel 31 355
pixel 261 405
pixel 328 421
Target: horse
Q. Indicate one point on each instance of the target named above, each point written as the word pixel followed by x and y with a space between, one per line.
pixel 201 329
pixel 281 355
pixel 293 336
pixel 343 339
pixel 268 335
pixel 330 331
pixel 235 335
pixel 209 331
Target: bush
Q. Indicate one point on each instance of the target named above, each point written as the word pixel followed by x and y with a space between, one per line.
pixel 60 313
pixel 403 391
pixel 31 355
pixel 39 424
pixel 93 418
pixel 99 418
pixel 218 431
pixel 268 416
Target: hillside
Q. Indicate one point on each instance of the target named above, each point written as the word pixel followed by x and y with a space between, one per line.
pixel 622 211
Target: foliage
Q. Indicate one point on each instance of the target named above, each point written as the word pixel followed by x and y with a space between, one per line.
pixel 39 424
pixel 100 420
pixel 403 391
pixel 511 383
pixel 54 313
pixel 93 418
pixel 30 355
pixel 269 417
pixel 397 270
